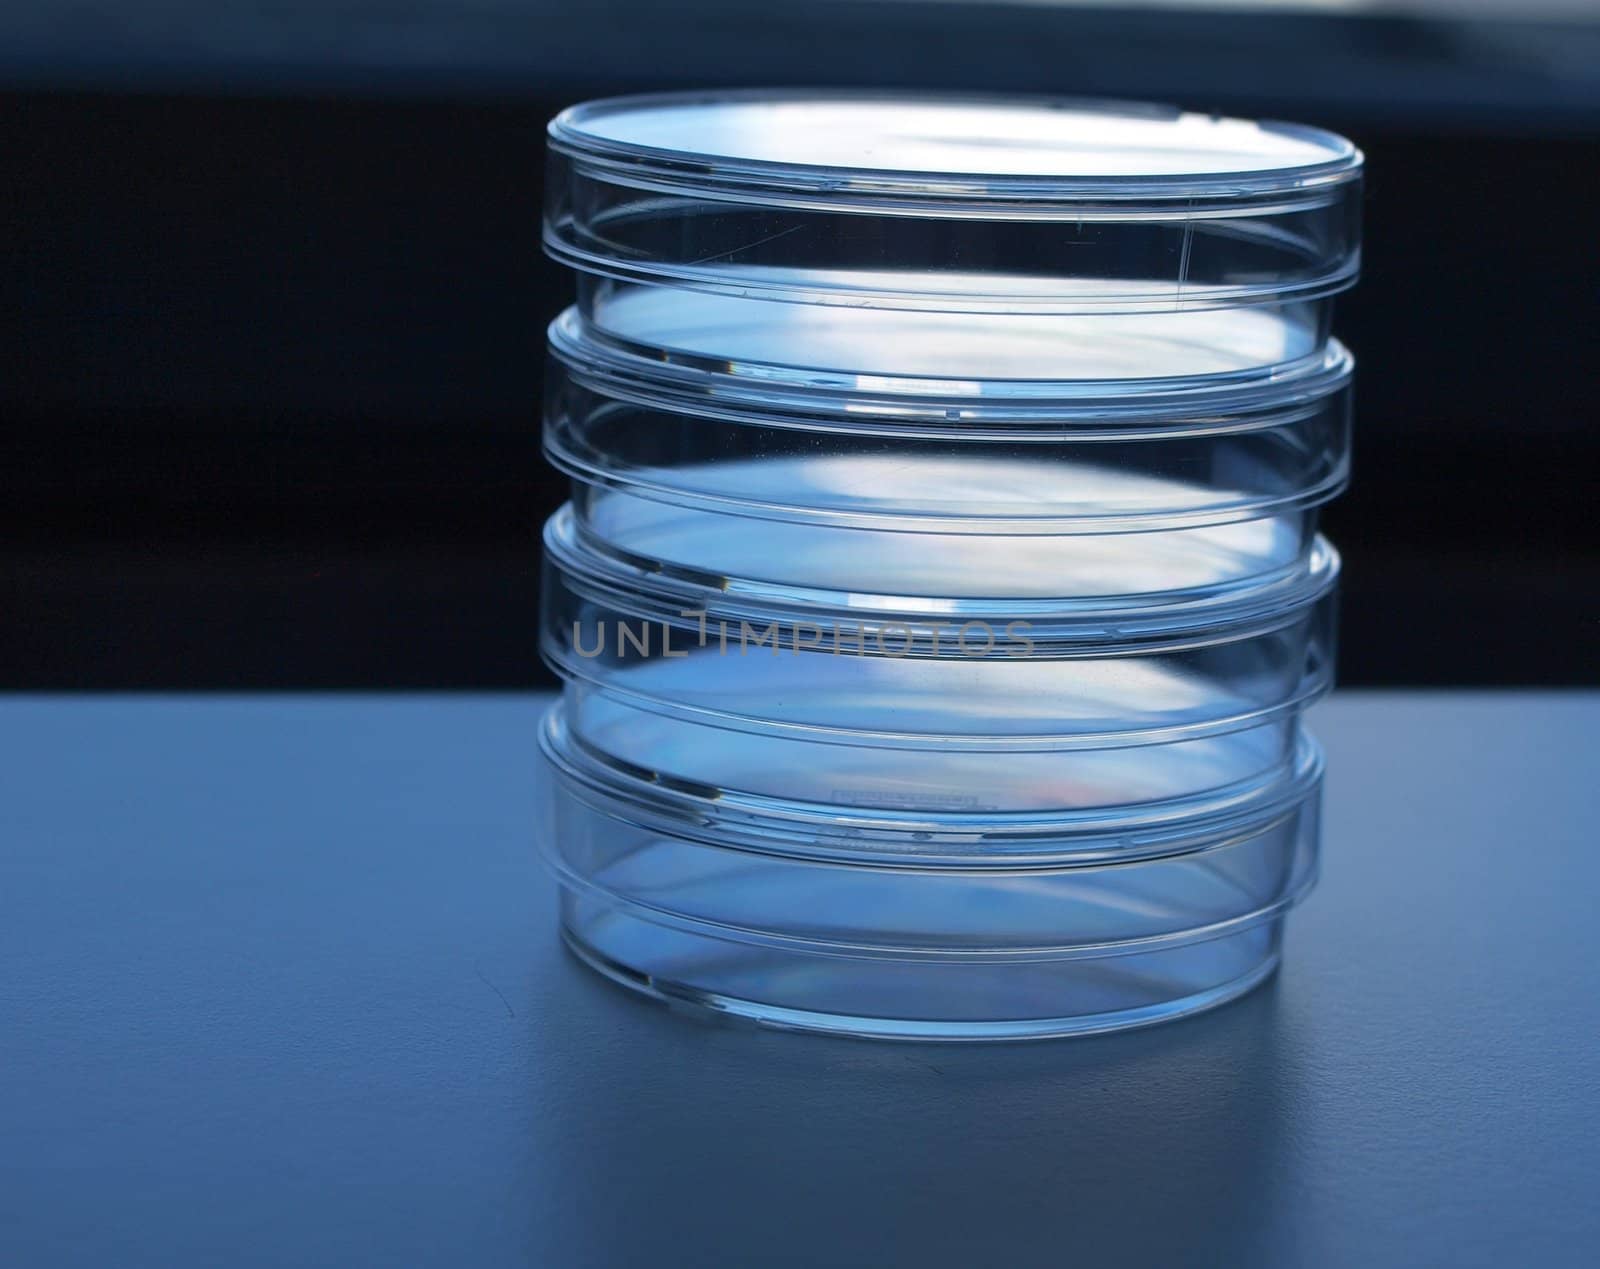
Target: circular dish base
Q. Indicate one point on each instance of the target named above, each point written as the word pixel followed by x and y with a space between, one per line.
pixel 675 991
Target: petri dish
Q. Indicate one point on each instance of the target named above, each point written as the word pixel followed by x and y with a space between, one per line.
pixel 1130 222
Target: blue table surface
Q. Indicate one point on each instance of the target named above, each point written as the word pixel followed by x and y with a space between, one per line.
pixel 280 985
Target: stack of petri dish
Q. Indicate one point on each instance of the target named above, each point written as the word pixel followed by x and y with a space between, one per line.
pixel 940 589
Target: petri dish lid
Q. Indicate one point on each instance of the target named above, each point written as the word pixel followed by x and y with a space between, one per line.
pixel 969 150
pixel 875 836
pixel 817 378
pixel 654 591
pixel 959 204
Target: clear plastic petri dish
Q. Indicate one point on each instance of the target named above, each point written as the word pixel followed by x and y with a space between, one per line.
pixel 1095 239
pixel 667 891
pixel 970 713
pixel 941 589
pixel 998 792
pixel 1015 490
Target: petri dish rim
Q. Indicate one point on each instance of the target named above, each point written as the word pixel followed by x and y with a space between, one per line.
pixel 839 835
pixel 649 590
pixel 656 375
pixel 572 134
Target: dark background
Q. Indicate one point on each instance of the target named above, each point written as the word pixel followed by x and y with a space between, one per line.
pixel 274 302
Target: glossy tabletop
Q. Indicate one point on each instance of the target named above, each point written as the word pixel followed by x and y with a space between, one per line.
pixel 280 985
